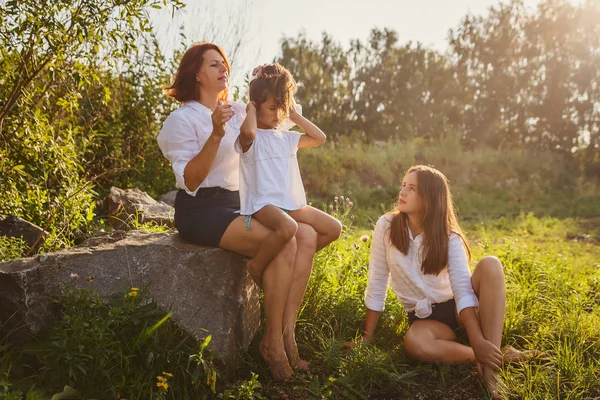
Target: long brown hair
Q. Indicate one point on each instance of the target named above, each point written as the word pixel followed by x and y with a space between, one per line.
pixel 275 81
pixel 438 223
pixel 185 86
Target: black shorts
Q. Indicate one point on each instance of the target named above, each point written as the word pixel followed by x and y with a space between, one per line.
pixel 444 312
pixel 204 218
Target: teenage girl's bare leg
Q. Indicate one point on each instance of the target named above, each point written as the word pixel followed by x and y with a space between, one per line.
pixel 488 284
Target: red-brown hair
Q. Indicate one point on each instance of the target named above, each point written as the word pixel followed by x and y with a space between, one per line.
pixel 438 223
pixel 185 86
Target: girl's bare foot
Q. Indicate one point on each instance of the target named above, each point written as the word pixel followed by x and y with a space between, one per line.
pixel 491 383
pixel 255 273
pixel 277 361
pixel 510 355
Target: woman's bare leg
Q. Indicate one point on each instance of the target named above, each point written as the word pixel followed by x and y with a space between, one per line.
pixel 277 277
pixel 306 241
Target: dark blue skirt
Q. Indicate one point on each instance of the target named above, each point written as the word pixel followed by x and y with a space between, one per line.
pixel 204 218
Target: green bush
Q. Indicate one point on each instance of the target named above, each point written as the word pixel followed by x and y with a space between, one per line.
pixel 11 248
pixel 125 348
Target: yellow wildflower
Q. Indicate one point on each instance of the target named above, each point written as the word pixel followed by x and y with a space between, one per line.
pixel 162 381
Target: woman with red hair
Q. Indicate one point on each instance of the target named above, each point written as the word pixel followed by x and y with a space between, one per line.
pixel 198 139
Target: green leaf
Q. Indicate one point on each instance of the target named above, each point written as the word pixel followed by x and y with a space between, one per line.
pixel 90 213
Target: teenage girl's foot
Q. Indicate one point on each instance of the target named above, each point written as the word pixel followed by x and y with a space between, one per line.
pixel 510 355
pixel 491 383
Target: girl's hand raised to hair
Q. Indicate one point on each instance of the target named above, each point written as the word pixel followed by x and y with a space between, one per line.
pixel 251 107
pixel 487 353
pixel 294 116
pixel 220 116
pixel 257 72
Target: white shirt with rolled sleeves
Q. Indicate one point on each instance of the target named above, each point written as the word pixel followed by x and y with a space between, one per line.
pixel 269 172
pixel 415 290
pixel 183 135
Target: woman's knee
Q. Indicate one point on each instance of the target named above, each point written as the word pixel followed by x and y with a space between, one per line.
pixel 288 253
pixel 306 238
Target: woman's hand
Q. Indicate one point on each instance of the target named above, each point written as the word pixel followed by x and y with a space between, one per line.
pixel 487 353
pixel 220 116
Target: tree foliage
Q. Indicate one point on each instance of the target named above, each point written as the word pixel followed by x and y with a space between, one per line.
pixel 513 77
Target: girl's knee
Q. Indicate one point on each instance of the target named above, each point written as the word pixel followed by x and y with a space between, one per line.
pixel 333 232
pixel 414 346
pixel 287 230
pixel 491 265
pixel 336 229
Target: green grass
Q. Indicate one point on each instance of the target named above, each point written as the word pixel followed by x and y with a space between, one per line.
pixel 552 269
pixel 553 275
pixel 486 183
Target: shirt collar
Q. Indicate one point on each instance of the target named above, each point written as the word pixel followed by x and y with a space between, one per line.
pixel 198 106
pixel 417 239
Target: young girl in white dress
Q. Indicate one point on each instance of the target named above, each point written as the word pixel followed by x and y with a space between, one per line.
pixel 271 189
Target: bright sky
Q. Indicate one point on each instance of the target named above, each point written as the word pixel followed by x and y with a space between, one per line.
pixel 264 22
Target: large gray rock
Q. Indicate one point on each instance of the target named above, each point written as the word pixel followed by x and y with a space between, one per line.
pixel 169 198
pixel 208 289
pixel 13 226
pixel 125 206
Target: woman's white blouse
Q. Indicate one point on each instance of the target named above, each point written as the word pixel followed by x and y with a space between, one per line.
pixel 183 135
pixel 415 290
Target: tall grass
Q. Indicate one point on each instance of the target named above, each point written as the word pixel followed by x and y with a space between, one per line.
pixel 486 183
pixel 552 269
pixel 553 305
